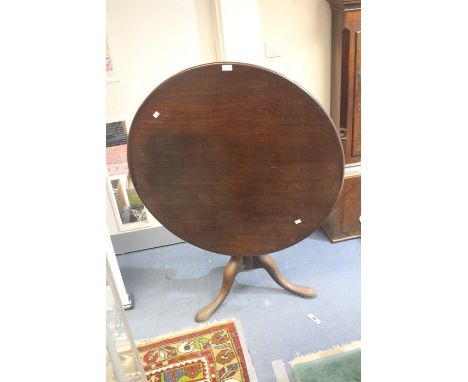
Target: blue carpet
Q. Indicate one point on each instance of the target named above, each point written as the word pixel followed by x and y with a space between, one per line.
pixel 170 284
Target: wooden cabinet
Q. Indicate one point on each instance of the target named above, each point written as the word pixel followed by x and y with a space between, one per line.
pixel 343 222
pixel 345 109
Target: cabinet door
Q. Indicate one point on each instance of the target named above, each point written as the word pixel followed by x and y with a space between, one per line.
pixel 356 134
pixel 350 102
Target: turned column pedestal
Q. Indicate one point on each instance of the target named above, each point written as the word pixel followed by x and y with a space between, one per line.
pixel 239 264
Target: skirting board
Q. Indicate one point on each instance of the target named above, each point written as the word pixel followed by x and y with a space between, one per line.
pixel 143 239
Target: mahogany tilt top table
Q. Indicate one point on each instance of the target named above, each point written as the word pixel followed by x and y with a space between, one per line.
pixel 238 160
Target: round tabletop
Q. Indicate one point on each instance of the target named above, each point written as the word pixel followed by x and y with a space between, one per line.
pixel 235 159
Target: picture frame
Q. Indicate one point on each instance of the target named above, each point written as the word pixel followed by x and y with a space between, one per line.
pixel 111 73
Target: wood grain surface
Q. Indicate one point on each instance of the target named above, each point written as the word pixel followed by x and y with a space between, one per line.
pixel 240 162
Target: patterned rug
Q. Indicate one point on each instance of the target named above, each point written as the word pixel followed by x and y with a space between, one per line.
pixel 208 354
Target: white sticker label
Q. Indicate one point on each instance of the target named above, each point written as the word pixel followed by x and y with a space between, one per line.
pixel 156 114
pixel 226 68
pixel 314 318
pixel 298 221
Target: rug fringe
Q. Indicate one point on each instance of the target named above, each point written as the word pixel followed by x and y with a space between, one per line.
pixel 342 348
pixel 185 331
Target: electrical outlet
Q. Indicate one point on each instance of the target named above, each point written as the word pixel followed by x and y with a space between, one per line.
pixel 272 49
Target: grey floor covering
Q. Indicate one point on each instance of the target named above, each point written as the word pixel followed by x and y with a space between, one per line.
pixel 171 283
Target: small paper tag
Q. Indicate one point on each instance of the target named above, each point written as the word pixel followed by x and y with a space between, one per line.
pixel 298 221
pixel 314 318
pixel 156 114
pixel 226 68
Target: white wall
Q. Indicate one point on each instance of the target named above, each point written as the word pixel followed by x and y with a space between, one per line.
pixel 151 40
pixel 303 29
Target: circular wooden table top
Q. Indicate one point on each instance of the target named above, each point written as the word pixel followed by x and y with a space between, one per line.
pixel 235 159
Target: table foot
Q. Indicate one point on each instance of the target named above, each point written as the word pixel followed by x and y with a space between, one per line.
pixel 232 268
pixel 238 264
pixel 269 264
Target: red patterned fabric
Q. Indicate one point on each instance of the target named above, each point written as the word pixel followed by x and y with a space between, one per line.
pixel 209 354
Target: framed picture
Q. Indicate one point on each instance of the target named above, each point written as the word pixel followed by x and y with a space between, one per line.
pixel 111 75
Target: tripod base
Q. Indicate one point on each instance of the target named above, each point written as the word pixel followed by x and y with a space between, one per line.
pixel 238 264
